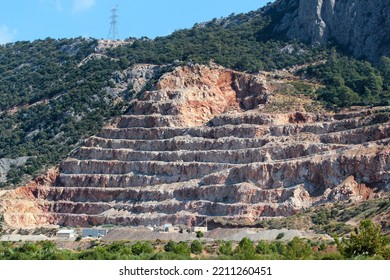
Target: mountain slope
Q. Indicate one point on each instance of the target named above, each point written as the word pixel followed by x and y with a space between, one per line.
pixel 50 100
pixel 199 145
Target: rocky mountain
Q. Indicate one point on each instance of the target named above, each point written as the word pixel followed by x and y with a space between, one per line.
pixel 363 27
pixel 201 145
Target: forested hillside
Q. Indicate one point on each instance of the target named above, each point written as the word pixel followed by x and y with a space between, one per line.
pixel 48 102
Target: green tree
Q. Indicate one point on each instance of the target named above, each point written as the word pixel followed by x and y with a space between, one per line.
pixel 196 247
pixel 170 246
pixel 147 248
pixel 245 250
pixel 297 249
pixel 226 248
pixel 182 248
pixel 263 248
pixel 366 240
pixel 137 248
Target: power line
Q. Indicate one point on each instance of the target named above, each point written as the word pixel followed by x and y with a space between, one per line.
pixel 113 33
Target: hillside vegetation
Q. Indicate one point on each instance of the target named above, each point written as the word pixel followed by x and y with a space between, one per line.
pixel 50 101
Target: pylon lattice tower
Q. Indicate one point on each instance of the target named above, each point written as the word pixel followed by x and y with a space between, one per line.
pixel 113 34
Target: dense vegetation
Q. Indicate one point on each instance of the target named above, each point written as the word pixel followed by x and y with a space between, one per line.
pixel 366 242
pixel 352 82
pixel 49 100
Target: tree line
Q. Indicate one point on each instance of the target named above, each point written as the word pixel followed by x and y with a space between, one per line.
pixel 365 242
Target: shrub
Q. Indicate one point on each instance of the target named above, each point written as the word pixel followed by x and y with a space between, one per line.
pixel 263 248
pixel 182 248
pixel 199 234
pixel 366 240
pixel 332 256
pixel 297 249
pixel 196 247
pixel 280 236
pixel 245 250
pixel 226 248
pixel 147 248
pixel 136 248
pixel 279 246
pixel 170 246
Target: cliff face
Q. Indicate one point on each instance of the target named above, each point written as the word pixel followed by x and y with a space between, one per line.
pixel 200 145
pixel 361 26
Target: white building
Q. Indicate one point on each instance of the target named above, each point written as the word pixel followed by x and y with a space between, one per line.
pixel 66 234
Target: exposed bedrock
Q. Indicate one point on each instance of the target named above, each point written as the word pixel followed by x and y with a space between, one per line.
pixel 198 145
pixel 361 26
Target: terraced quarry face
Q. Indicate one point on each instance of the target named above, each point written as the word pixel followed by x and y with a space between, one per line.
pixel 199 146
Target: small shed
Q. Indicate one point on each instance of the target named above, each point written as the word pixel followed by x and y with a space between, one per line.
pixel 66 234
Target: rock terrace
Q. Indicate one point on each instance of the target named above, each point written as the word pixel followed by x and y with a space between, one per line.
pixel 199 146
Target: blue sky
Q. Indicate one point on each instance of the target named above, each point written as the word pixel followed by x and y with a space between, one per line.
pixel 39 19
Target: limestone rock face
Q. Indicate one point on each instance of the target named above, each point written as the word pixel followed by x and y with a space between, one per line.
pixel 361 26
pixel 198 145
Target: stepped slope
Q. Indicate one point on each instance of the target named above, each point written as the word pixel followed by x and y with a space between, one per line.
pixel 200 145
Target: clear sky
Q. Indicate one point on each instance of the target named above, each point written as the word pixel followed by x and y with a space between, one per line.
pixel 38 19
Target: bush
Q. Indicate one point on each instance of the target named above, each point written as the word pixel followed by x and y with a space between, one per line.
pixel 278 247
pixel 280 236
pixel 170 246
pixel 297 249
pixel 332 256
pixel 322 217
pixel 139 248
pixel 226 248
pixel 196 247
pixel 210 249
pixel 245 250
pixel 182 248
pixel 147 248
pixel 366 240
pixel 136 248
pixel 263 248
pixel 199 234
